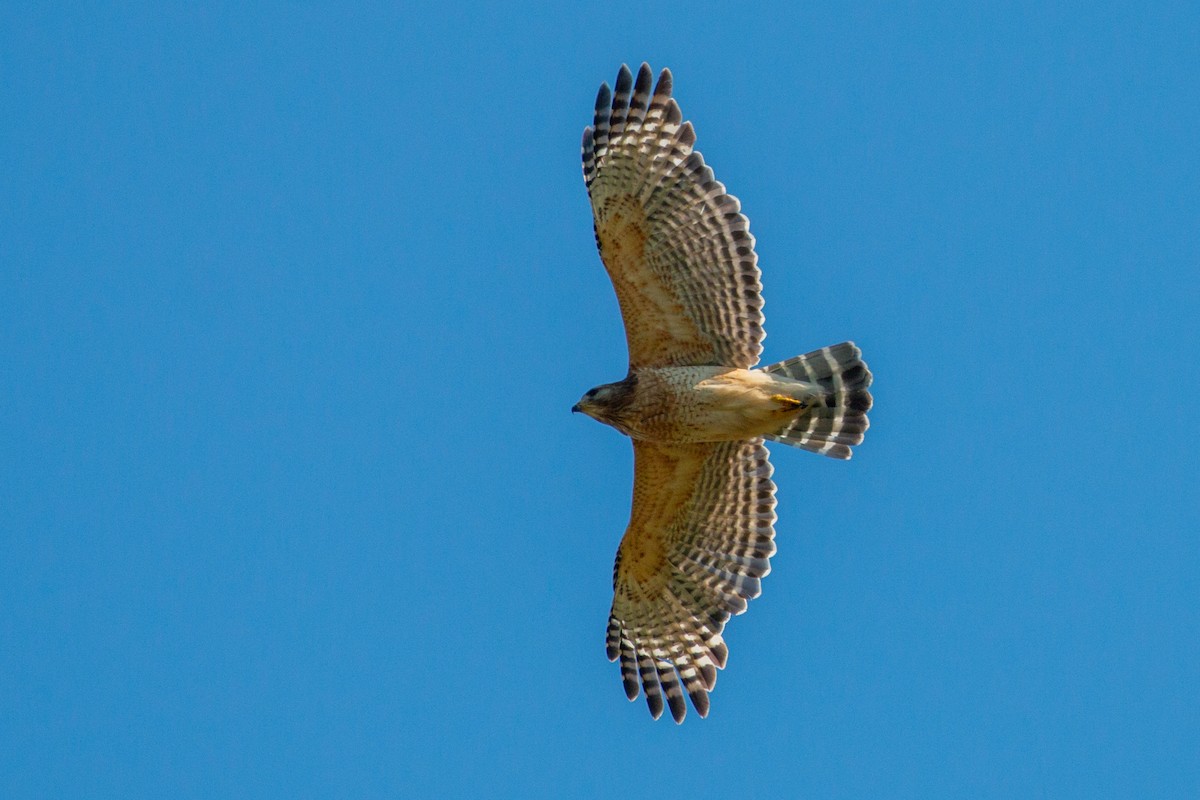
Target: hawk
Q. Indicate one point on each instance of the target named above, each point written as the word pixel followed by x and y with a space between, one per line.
pixel 701 530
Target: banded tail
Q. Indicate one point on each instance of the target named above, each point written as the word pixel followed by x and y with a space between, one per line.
pixel 839 419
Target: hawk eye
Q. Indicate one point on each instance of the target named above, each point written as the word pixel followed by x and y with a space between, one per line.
pixel 591 393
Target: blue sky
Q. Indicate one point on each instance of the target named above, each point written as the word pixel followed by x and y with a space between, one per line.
pixel 294 303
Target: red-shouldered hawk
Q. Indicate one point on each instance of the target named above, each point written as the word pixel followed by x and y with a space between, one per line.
pixel 701 531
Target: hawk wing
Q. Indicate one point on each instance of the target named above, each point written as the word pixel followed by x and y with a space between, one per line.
pixel 676 246
pixel 700 537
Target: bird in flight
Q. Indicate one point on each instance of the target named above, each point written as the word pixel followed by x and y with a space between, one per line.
pixel 701 530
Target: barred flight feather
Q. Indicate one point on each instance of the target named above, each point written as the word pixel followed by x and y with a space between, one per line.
pixel 648 672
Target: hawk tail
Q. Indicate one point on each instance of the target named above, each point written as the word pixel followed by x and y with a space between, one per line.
pixel 839 418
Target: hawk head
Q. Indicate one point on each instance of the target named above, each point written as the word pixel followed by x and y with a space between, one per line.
pixel 609 402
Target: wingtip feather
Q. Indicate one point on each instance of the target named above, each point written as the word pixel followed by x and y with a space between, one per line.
pixel 666 81
pixel 603 97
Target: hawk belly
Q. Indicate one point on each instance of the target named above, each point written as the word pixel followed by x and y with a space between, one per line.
pixel 713 404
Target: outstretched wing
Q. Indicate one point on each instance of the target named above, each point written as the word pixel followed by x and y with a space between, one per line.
pixel 676 246
pixel 700 537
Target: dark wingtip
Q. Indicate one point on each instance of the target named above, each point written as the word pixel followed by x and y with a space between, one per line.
pixel 644 75
pixel 720 653
pixel 665 82
pixel 687 137
pixel 603 96
pixel 655 702
pixel 624 79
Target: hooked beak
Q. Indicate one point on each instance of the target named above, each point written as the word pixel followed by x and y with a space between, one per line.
pixel 575 409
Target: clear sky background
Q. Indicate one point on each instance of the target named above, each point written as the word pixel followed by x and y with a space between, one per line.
pixel 295 301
